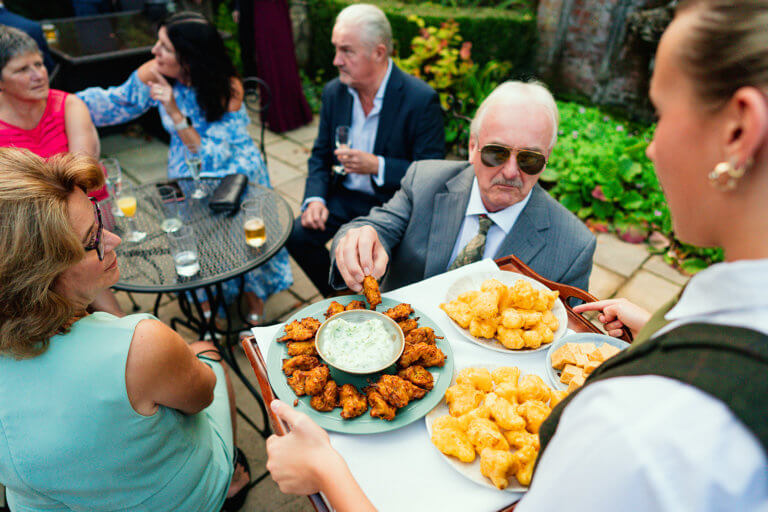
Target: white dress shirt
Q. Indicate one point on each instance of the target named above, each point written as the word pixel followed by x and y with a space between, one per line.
pixel 655 443
pixel 362 136
pixel 503 222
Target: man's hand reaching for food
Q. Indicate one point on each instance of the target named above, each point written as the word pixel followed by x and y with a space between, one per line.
pixel 358 254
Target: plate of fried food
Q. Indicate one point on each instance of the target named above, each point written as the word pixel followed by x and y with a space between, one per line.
pixel 573 358
pixel 487 426
pixel 360 403
pixel 506 311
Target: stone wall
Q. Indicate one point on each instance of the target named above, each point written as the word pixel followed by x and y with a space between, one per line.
pixel 599 49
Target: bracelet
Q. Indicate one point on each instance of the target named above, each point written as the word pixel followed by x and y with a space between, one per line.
pixel 183 124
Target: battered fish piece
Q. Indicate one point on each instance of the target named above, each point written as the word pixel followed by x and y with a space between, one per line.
pixel 423 354
pixel 496 465
pixel 353 404
pixel 408 325
pixel 483 433
pixel 534 413
pixel 418 375
pixel 504 413
pixel 328 400
pixel 509 374
pixel 396 391
pixel 519 438
pixel 478 378
pixel 371 291
pixel 355 304
pixel 462 398
pixel 379 407
pixel 302 362
pixel 532 387
pixel 301 330
pixel 422 335
pixel 302 348
pixel 482 328
pixel 459 312
pixel 450 439
pixel 481 412
pixel 399 312
pixel 333 309
pixel 525 459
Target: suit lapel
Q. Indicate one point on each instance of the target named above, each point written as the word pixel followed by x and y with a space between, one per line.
pixel 527 236
pixel 390 109
pixel 449 210
pixel 343 114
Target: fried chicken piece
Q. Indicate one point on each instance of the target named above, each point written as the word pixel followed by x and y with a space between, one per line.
pixel 496 465
pixel 328 400
pixel 353 404
pixel 422 335
pixel 302 348
pixel 355 304
pixel 450 439
pixel 297 382
pixel 302 362
pixel 418 375
pixel 371 291
pixel 423 354
pixel 379 407
pixel 334 308
pixel 301 330
pixel 396 391
pixel 316 379
pixel 399 312
pixel 408 325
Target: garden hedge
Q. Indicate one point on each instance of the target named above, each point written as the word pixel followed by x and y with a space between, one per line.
pixel 500 35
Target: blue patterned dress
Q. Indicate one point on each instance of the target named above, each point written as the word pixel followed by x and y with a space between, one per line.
pixel 226 148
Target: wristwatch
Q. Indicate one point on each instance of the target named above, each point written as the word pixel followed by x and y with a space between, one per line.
pixel 183 124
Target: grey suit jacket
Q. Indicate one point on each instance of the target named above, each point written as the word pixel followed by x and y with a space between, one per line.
pixel 418 228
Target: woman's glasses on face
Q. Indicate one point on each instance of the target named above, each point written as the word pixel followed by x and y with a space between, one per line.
pixel 529 161
pixel 98 243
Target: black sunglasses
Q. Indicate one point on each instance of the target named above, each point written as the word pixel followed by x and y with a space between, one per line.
pixel 98 242
pixel 529 161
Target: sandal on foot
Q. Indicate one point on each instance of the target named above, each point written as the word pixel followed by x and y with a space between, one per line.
pixel 237 501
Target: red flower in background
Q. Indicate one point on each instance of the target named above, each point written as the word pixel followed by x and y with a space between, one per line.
pixel 466 50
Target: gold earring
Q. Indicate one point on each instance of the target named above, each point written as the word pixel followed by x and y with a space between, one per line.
pixel 725 176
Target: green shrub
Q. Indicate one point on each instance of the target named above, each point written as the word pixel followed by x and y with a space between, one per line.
pixel 223 21
pixel 496 35
pixel 599 171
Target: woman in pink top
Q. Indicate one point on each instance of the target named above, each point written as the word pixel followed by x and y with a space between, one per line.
pixel 42 120
pixel 32 116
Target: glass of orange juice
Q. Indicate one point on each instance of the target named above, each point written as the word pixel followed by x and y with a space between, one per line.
pixel 127 204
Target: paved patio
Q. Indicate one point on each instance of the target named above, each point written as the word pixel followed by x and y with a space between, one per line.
pixel 620 270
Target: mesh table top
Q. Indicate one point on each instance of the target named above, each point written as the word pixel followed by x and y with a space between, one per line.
pixel 147 266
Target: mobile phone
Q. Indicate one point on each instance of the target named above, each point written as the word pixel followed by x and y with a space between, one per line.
pixel 174 185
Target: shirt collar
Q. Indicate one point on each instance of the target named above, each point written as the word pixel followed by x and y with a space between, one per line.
pixel 724 287
pixel 505 218
pixel 382 87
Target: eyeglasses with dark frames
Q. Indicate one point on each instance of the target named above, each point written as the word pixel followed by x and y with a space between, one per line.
pixel 98 243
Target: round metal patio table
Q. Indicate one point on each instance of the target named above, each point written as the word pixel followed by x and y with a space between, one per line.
pixel 148 266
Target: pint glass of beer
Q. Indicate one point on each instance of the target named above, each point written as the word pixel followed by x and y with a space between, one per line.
pixel 253 222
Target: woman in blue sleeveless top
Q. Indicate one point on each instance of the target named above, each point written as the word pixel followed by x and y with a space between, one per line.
pixel 96 412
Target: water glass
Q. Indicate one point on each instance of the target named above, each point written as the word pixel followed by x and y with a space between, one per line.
pixel 194 164
pixel 342 142
pixel 183 244
pixel 253 222
pixel 169 208
pixel 114 175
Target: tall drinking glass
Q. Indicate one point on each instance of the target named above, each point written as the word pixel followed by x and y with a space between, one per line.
pixel 183 244
pixel 168 208
pixel 127 204
pixel 342 142
pixel 253 222
pixel 114 181
pixel 195 163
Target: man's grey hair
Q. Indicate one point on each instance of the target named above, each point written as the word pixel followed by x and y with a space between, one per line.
pixel 14 42
pixel 372 23
pixel 517 92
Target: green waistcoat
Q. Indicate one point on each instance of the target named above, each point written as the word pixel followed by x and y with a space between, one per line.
pixel 728 363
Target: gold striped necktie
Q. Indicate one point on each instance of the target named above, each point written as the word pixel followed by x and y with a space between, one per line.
pixel 473 251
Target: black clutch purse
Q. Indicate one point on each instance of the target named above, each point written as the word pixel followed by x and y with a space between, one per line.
pixel 226 197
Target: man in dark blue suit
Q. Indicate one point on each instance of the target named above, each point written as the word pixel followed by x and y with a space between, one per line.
pixel 393 120
pixel 32 28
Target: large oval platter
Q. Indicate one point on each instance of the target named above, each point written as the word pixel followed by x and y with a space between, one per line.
pixel 364 424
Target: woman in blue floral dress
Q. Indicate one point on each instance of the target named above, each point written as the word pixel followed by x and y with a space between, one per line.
pixel 194 86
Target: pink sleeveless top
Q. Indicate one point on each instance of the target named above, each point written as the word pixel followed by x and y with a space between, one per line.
pixel 46 139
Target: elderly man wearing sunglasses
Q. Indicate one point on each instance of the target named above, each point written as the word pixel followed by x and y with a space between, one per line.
pixel 448 214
